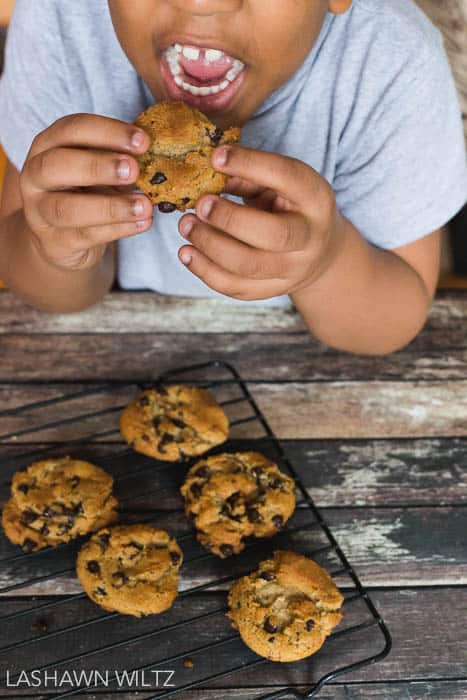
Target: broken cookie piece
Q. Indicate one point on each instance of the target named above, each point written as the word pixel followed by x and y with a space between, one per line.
pixel 177 170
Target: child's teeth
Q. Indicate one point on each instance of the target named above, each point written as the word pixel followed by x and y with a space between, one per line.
pixel 191 53
pixel 212 55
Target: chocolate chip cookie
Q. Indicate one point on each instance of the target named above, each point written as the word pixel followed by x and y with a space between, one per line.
pixel 232 496
pixel 56 500
pixel 176 170
pixel 174 422
pixel 286 608
pixel 132 569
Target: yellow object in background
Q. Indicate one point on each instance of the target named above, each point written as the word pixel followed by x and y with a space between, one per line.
pixel 6 8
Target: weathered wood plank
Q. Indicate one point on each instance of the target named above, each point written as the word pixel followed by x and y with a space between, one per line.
pixel 364 409
pixel 258 356
pixel 133 312
pixel 417 690
pixel 418 620
pixel 141 312
pixel 387 546
pixel 294 410
pixel 336 473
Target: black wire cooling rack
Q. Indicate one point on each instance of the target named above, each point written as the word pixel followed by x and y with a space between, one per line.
pixel 51 629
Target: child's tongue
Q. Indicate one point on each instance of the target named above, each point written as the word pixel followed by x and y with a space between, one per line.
pixel 204 70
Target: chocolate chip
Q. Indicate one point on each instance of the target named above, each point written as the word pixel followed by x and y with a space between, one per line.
pixel 134 545
pixel 178 423
pixel 203 473
pixel 100 591
pixel 44 530
pixel 166 207
pixel 119 578
pixel 226 550
pixel 269 626
pixel 156 421
pixel 175 556
pixel 24 488
pixel 253 515
pixel 267 575
pixel 271 639
pixel 257 471
pixel 185 200
pixel 158 178
pixel 28 517
pixel 48 512
pixel 196 490
pixel 232 499
pixel 278 521
pixel 28 545
pixel 39 626
pixel 146 438
pixel 276 484
pixel 144 401
pixel 166 438
pixel 227 513
pixel 93 567
pixel 74 481
pixel 105 541
pixel 216 136
pixel 161 389
pixel 310 624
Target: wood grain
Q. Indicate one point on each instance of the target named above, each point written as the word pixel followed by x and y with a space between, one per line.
pixel 344 410
pixel 418 620
pixel 147 312
pixel 258 356
pixel 383 544
pixel 336 473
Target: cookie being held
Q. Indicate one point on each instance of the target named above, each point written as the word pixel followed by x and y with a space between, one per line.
pixel 177 170
pixel 174 422
pixel 131 569
pixel 233 496
pixel 56 500
pixel 286 608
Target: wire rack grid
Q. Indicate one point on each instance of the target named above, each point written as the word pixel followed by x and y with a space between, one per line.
pixel 84 421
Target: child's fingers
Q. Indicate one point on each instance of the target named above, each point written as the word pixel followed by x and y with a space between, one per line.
pixel 278 232
pixel 242 188
pixel 92 131
pixel 62 168
pixel 101 235
pixel 236 257
pixel 225 282
pixel 78 239
pixel 288 176
pixel 70 209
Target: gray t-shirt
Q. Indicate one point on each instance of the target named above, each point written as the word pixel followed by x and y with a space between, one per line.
pixel 373 109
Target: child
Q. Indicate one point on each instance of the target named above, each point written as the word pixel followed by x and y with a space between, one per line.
pixel 352 157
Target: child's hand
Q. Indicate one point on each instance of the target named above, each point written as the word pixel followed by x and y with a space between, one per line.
pixel 69 185
pixel 282 241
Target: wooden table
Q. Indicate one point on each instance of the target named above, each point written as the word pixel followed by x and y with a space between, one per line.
pixel 380 443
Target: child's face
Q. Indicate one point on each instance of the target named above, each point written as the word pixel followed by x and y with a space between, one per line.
pixel 176 45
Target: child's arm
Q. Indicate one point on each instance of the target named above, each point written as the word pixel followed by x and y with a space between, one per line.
pixel 291 239
pixel 58 217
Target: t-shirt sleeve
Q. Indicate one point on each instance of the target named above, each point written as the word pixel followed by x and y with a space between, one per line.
pixel 404 172
pixel 33 86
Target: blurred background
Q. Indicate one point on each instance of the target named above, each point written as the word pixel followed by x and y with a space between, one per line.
pixel 451 17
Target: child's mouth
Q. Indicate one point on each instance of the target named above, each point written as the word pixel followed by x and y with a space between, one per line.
pixel 203 77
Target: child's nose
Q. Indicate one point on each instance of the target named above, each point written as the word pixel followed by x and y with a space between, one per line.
pixel 207 7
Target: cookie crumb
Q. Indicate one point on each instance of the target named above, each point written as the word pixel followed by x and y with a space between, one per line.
pixel 188 663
